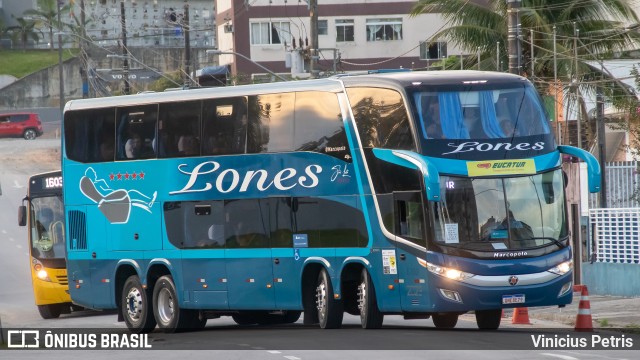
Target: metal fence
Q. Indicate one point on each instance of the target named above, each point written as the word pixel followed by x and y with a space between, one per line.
pixel 616 235
pixel 622 182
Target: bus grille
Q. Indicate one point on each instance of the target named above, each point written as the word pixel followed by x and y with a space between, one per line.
pixel 77 230
pixel 62 280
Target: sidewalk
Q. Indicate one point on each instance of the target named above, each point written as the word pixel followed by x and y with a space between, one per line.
pixel 607 312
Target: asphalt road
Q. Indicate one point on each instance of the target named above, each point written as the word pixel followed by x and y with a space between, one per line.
pixel 223 339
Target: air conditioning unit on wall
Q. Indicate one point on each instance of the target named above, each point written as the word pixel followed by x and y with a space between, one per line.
pixel 228 28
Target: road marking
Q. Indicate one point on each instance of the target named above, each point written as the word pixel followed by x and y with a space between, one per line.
pixel 292 358
pixel 11 239
pixel 17 185
pixel 564 357
pixel 4 231
pixel 274 352
pixel 19 246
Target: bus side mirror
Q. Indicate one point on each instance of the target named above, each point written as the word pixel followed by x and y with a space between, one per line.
pixel 22 215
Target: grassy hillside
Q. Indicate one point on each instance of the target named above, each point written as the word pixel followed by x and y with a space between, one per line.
pixel 19 63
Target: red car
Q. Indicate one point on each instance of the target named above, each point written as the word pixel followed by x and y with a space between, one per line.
pixel 27 125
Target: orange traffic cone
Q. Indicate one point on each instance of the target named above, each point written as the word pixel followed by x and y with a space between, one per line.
pixel 521 316
pixel 584 322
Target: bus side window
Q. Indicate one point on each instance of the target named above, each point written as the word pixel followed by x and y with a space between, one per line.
pixel 136 132
pixel 179 129
pixel 224 126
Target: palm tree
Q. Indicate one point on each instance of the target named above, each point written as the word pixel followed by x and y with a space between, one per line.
pixel 24 31
pixel 48 12
pixel 473 26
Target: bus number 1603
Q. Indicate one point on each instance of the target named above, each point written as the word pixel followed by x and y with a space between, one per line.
pixel 53 182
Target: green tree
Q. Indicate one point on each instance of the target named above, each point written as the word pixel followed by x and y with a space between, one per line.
pixel 602 31
pixel 24 31
pixel 47 12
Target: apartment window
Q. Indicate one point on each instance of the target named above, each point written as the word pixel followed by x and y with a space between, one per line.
pixel 323 27
pixel 433 50
pixel 384 29
pixel 344 30
pixel 270 32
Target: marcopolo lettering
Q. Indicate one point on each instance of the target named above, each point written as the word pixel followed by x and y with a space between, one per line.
pixel 228 180
pixel 483 147
pixel 510 254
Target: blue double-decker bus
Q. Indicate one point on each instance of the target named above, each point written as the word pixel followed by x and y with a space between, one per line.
pixel 423 194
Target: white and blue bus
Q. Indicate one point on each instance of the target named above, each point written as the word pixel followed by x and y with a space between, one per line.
pixel 423 194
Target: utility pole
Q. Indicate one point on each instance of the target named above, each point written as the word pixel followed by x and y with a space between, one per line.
pixel 498 56
pixel 125 51
pixel 513 20
pixel 187 47
pixel 601 145
pixel 533 59
pixel 313 32
pixel 478 57
pixel 60 72
pixel 576 32
pixel 555 86
pixel 83 53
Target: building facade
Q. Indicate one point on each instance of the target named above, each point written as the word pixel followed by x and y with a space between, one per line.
pixel 352 36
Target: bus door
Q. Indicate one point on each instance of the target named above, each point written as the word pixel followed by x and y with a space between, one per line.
pixel 285 253
pixel 410 227
pixel 248 254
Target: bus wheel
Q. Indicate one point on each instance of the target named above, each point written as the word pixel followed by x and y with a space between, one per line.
pixel 329 309
pixel 488 319
pixel 166 310
pixel 445 321
pixel 136 307
pixel 51 311
pixel 370 315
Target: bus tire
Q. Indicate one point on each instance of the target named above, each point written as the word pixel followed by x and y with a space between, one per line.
pixel 330 310
pixel 370 315
pixel 167 312
pixel 445 320
pixel 136 307
pixel 51 311
pixel 488 319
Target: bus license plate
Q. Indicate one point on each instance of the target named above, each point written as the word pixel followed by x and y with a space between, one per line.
pixel 513 299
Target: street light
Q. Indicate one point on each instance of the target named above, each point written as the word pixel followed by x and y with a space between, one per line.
pixel 60 61
pixel 220 52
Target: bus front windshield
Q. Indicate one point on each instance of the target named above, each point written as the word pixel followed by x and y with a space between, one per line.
pixel 492 214
pixel 477 112
pixel 47 228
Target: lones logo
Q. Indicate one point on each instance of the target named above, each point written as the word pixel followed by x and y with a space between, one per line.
pixel 483 147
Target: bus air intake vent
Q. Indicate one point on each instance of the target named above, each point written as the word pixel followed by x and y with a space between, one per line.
pixel 77 230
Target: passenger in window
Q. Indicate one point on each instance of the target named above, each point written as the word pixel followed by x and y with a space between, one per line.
pixel 473 123
pixel 508 128
pixel 188 145
pixel 373 140
pixel 133 146
pixel 243 238
pixel 432 119
pixel 107 149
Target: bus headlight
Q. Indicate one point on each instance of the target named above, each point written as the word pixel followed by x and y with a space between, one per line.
pixel 42 275
pixel 453 274
pixel 562 268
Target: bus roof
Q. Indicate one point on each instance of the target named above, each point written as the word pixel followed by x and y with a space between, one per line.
pixel 331 85
pixel 447 77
